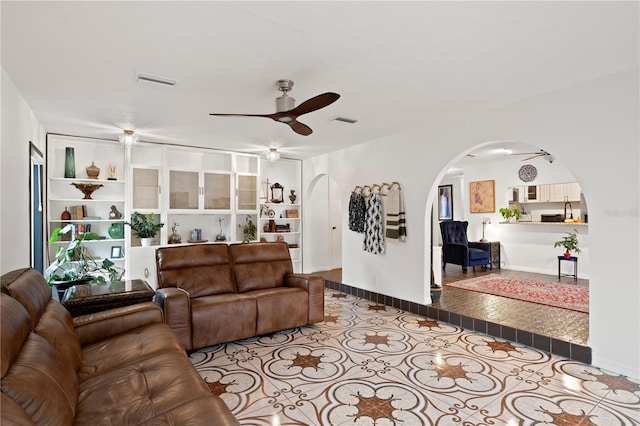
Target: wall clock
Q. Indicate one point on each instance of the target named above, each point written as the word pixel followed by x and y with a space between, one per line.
pixel 527 173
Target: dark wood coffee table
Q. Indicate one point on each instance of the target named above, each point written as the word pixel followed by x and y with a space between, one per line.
pixel 85 299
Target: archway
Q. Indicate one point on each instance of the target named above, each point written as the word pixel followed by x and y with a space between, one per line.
pixel 323 209
pixel 530 241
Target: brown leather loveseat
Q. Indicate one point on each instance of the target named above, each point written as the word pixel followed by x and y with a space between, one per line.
pixel 216 293
pixel 119 367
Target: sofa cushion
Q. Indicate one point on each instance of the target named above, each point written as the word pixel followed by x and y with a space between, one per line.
pixel 260 265
pixel 41 382
pixel 201 270
pixel 29 288
pixel 222 318
pixel 280 308
pixel 124 349
pixel 140 391
pixel 56 325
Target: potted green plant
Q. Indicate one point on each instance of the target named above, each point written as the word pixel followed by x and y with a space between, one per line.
pixel 73 263
pixel 248 230
pixel 144 227
pixel 511 212
pixel 569 242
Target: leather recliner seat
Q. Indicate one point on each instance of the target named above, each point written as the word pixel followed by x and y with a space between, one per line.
pixel 216 293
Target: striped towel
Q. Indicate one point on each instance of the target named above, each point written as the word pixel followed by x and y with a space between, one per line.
pixel 394 209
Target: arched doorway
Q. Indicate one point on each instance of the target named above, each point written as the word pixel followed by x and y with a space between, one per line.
pixel 531 241
pixel 324 210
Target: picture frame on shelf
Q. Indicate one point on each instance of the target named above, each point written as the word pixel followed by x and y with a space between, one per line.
pixel 445 202
pixel 291 214
pixel 482 196
pixel 116 252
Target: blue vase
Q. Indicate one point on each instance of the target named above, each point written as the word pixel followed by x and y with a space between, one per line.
pixel 69 163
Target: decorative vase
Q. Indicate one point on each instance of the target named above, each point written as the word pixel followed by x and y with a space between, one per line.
pixel 293 196
pixel 65 215
pixel 93 171
pixel 146 242
pixel 116 231
pixel 69 163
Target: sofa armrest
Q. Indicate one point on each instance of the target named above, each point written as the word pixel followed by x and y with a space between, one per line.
pixel 176 308
pixel 314 285
pixel 101 325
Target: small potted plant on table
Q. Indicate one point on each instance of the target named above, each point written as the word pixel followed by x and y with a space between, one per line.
pixel 569 242
pixel 144 227
pixel 511 212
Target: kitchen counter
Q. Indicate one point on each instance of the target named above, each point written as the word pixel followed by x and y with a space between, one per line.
pixel 545 223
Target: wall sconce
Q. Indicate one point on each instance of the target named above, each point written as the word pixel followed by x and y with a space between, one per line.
pixel 485 221
pixel 128 138
pixel 277 193
pixel 273 155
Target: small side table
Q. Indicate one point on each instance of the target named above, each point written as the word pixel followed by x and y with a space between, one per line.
pixel 494 249
pixel 573 259
pixel 90 298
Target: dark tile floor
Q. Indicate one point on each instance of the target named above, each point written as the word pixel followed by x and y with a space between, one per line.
pixel 555 323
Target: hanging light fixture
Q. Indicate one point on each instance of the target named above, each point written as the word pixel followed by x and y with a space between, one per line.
pixel 273 154
pixel 128 138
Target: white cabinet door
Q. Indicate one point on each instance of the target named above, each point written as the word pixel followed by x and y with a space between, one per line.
pixel 142 265
pixel 573 191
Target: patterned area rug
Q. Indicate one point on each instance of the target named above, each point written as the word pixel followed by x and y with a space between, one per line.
pixel 566 296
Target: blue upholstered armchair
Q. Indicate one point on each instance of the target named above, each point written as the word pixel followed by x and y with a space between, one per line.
pixel 458 250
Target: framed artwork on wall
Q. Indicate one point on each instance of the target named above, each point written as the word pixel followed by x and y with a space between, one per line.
pixel 445 202
pixel 482 197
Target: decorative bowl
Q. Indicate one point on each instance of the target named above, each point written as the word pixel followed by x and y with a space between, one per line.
pixel 87 188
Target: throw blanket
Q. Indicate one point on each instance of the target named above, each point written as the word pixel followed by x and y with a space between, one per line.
pixel 357 210
pixel 396 222
pixel 373 232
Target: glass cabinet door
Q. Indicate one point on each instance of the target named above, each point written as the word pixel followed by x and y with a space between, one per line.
pixel 146 189
pixel 217 191
pixel 247 192
pixel 183 190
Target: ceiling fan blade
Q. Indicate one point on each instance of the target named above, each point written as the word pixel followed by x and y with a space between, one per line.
pixel 534 156
pixel 245 115
pixel 313 104
pixel 300 128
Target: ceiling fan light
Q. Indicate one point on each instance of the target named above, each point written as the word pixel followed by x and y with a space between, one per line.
pixel 128 138
pixel 273 154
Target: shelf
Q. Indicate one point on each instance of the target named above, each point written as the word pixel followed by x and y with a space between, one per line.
pixel 112 240
pixel 279 233
pixel 83 200
pixel 279 218
pixel 80 180
pixel 86 220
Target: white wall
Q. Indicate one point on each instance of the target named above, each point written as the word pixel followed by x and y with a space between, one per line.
pixel 19 127
pixel 592 128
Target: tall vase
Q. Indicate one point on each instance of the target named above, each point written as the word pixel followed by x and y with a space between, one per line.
pixel 69 163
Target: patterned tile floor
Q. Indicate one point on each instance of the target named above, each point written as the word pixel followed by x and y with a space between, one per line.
pixel 370 364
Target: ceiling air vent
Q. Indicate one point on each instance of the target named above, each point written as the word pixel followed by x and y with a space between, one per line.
pixel 149 78
pixel 345 120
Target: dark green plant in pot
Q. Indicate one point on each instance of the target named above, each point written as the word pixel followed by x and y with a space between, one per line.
pixel 144 226
pixel 569 242
pixel 74 263
pixel 248 230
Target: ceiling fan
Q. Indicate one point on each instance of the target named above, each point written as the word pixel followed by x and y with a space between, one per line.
pixel 287 113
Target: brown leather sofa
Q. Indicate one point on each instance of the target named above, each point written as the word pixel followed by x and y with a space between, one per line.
pixel 119 367
pixel 216 293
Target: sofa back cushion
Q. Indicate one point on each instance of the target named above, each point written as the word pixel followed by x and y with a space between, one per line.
pixel 28 287
pixel 34 374
pixel 260 265
pixel 200 270
pixel 49 318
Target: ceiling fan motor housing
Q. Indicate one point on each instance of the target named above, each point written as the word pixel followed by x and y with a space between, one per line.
pixel 284 102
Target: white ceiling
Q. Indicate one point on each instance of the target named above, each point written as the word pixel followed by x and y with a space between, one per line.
pixel 396 65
